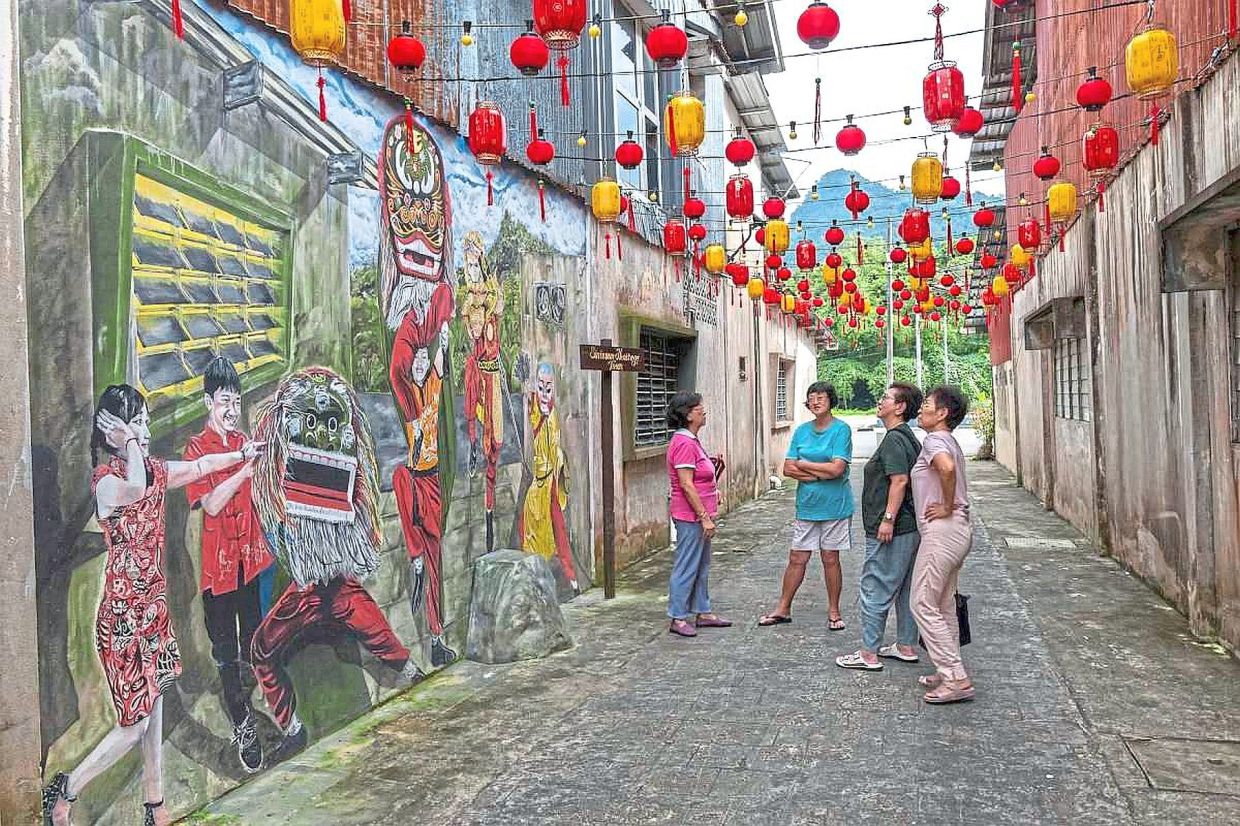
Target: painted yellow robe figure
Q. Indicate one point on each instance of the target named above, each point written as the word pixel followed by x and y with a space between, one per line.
pixel 544 530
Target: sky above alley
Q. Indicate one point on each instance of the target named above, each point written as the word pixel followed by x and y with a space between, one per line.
pixel 872 80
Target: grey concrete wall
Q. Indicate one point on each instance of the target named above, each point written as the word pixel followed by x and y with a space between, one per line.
pixel 19 685
pixel 1164 462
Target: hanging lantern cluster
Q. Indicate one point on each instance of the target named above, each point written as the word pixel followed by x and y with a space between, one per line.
pixel 317 32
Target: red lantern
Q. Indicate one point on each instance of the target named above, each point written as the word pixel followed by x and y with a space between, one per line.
pixel 674 238
pixel 927 267
pixel 666 43
pixel 856 201
pixel 915 227
pixel 833 260
pixel 697 233
pixel 694 208
pixel 850 139
pixel 834 235
pixel 739 197
pixel 951 188
pixel 984 218
pixel 784 273
pixel 803 285
pixel 770 295
pixel 898 255
pixel 1029 235
pixel 988 261
pixel 905 321
pixel 970 123
pixel 540 151
pixel 629 153
pixel 739 273
pixel 897 285
pixel 807 255
pixel 404 51
pixel 818 25
pixel 759 237
pixel 1094 93
pixel 1012 274
pixel 818 302
pixel 964 245
pixel 528 52
pixel 740 150
pixel 773 208
pixel 1046 166
pixel 850 287
pixel 488 139
pixel 906 294
pixel 560 23
pixel 774 262
pixel 947 280
pixel 849 275
pixel 942 95
pixel 1099 155
pixel 954 290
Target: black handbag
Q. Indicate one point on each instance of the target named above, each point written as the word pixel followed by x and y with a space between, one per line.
pixel 962 619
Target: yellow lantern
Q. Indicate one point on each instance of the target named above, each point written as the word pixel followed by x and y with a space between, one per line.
pixel 844 304
pixel 927 178
pixel 684 123
pixel 1151 61
pixel 605 200
pixel 999 286
pixel 317 30
pixel 927 306
pixel 922 251
pixel 756 288
pixel 1018 256
pixel 868 308
pixel 829 275
pixel 776 236
pixel 789 303
pixel 1061 201
pixel 714 257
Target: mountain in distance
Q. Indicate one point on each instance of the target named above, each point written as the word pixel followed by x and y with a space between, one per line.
pixel 885 202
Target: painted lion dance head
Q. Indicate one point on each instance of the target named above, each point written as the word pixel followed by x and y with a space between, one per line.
pixel 315 490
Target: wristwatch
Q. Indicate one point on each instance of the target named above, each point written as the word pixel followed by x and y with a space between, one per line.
pixel 889 517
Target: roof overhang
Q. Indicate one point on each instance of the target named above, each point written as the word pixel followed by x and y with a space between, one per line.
pixel 753 106
pixel 755 46
pixel 1002 30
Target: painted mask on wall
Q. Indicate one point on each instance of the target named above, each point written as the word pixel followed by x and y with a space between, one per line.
pixel 321 463
pixel 413 200
pixel 546 388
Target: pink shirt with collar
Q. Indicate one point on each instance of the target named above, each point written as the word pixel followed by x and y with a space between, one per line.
pixel 685 451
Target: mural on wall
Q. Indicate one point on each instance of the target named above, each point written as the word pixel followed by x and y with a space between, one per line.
pixel 543 527
pixel 315 493
pixel 306 583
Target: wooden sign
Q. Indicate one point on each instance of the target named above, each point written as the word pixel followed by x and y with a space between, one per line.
pixel 607 358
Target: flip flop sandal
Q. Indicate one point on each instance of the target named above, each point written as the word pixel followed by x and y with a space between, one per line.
pixel 855 660
pixel 836 624
pixel 945 694
pixel 893 653
pixel 768 620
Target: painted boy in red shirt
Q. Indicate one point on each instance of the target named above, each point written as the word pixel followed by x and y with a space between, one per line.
pixel 234 552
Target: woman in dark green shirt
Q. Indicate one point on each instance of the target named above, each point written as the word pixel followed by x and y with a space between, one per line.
pixel 891 536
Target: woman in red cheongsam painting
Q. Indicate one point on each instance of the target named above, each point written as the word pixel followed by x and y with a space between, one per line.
pixel 133 631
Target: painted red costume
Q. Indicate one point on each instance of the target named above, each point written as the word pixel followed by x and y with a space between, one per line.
pixel 482 394
pixel 416 483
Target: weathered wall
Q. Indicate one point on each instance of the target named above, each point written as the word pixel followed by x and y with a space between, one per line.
pixel 1005 417
pixel 1164 456
pixel 19 685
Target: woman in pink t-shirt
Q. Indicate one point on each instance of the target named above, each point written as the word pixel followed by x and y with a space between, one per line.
pixel 695 504
pixel 941 499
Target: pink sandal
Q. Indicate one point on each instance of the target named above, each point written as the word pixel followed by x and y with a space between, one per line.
pixel 930 680
pixel 948 693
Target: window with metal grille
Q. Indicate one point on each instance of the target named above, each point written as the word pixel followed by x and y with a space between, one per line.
pixel 1073 393
pixel 657 382
pixel 781 391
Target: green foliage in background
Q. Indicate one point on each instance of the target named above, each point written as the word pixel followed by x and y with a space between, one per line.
pixel 370 368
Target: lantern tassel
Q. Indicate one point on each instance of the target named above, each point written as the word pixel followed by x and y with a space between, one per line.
pixel 1016 80
pixel 178 24
pixel 858 249
pixel 686 174
pixel 818 112
pixel 1062 233
pixel 409 125
pixel 322 97
pixel 1154 118
pixel 607 245
pixel 542 202
pixel 1046 218
pixel 1102 207
pixel 619 249
pixel 632 219
pixel 533 123
pixel 671 129
pixel 347 8
pixel 490 189
pixel 968 187
pixel 563 64
pixel 948 254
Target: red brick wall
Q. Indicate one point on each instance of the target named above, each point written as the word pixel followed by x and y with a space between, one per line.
pixel 366 45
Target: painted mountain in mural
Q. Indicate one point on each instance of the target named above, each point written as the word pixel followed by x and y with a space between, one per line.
pixel 885 202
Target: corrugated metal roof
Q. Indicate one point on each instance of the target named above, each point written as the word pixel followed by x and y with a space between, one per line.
pixel 754 47
pixel 1002 30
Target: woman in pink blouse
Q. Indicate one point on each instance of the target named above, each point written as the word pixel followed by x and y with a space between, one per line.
pixel 695 504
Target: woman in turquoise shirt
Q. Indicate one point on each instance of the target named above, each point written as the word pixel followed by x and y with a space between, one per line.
pixel 818 458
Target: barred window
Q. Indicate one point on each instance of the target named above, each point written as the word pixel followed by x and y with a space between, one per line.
pixel 657 382
pixel 781 391
pixel 1072 380
pixel 205 282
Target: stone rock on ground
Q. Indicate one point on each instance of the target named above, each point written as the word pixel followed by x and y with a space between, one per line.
pixel 515 612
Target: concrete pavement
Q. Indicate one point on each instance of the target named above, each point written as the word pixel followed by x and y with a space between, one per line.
pixel 1094 705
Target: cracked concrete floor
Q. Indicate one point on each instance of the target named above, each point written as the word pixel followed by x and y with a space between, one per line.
pixel 1094 705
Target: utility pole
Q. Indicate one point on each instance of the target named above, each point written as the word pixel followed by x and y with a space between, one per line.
pixel 946 380
pixel 891 317
pixel 921 379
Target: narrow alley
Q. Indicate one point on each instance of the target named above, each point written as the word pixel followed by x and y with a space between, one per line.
pixel 1094 705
